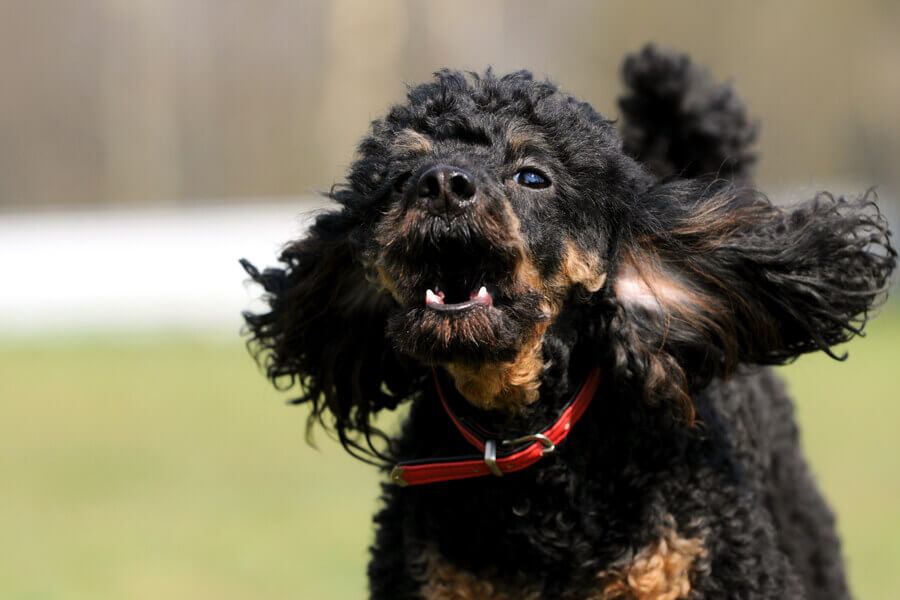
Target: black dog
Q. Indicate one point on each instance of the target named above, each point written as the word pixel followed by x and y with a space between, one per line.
pixel 577 319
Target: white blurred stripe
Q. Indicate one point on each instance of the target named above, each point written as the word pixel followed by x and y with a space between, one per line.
pixel 119 270
pixel 138 269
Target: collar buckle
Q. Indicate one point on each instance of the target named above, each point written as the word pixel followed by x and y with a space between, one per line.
pixel 546 442
pixel 490 449
pixel 490 458
pixel 522 454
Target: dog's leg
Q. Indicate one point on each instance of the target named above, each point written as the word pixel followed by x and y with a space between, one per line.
pixel 805 524
pixel 391 574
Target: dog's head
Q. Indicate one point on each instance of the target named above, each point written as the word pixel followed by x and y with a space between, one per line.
pixel 493 202
pixel 492 226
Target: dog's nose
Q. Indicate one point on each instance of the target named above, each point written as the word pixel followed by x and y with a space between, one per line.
pixel 446 190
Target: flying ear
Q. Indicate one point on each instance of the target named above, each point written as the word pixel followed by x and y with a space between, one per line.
pixel 710 277
pixel 325 332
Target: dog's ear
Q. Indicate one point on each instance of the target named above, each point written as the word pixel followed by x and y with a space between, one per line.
pixel 325 332
pixel 710 276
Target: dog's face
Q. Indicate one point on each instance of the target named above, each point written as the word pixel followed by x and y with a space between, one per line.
pixel 484 226
pixel 494 206
pixel 488 210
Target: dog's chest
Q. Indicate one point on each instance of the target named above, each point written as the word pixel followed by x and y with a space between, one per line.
pixel 503 547
pixel 662 570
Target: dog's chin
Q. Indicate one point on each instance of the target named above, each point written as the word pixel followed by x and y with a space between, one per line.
pixel 474 334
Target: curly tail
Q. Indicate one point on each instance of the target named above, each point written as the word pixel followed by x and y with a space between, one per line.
pixel 679 122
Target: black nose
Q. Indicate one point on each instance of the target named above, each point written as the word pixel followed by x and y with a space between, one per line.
pixel 446 190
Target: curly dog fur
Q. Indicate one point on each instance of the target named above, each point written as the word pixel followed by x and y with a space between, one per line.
pixel 507 236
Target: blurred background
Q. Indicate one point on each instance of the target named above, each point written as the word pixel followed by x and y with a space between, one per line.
pixel 146 145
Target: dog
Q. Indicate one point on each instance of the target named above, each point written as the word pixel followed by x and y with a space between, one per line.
pixel 579 314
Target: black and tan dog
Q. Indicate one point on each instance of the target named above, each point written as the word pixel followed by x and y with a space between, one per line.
pixel 579 319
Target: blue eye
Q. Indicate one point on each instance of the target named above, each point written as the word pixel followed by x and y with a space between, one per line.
pixel 531 178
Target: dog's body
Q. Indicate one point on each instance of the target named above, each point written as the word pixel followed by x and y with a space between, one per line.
pixel 498 246
pixel 729 514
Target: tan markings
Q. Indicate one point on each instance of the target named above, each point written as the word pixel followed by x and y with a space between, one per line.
pixel 649 290
pixel 396 225
pixel 661 571
pixel 443 581
pixel 509 386
pixel 521 139
pixel 514 384
pixel 409 141
pixel 643 281
pixel 387 282
pixel 504 386
pixel 526 274
pixel 579 267
pixel 519 142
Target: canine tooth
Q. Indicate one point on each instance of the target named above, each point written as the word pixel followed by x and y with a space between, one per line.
pixel 484 296
pixel 432 298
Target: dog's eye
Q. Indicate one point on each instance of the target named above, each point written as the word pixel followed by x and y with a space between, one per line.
pixel 531 178
pixel 401 181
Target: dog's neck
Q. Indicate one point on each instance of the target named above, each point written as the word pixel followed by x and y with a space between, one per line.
pixel 504 386
pixel 534 380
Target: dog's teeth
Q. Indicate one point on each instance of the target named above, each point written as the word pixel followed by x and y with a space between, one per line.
pixel 484 297
pixel 432 298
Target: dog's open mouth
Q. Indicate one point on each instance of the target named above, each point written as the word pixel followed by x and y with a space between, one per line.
pixel 459 278
pixel 437 301
pixel 457 286
pixel 473 315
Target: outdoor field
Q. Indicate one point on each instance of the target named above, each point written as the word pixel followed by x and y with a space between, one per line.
pixel 147 146
pixel 166 467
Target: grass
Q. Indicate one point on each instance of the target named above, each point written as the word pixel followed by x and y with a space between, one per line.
pixel 167 467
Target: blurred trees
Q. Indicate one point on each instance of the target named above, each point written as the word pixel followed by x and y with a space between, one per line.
pixel 158 101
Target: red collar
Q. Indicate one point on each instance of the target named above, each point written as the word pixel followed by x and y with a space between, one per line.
pixel 495 458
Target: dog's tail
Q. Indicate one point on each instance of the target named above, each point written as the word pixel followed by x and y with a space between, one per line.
pixel 679 122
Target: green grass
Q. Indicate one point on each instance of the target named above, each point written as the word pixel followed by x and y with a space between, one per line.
pixel 167 468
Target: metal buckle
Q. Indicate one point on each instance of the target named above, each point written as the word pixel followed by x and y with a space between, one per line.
pixel 490 457
pixel 548 445
pixel 490 449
